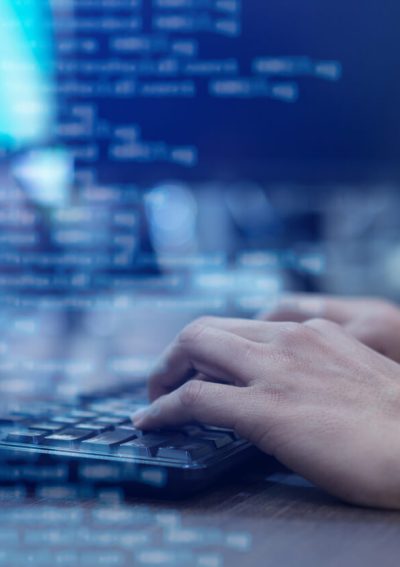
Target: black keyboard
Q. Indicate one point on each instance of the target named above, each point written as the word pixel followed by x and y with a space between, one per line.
pixel 94 442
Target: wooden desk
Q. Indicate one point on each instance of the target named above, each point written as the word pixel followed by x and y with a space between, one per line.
pixel 281 521
pixel 294 524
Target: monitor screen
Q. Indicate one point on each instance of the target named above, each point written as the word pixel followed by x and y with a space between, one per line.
pixel 200 90
pixel 233 90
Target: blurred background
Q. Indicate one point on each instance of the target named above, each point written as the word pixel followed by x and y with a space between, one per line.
pixel 165 159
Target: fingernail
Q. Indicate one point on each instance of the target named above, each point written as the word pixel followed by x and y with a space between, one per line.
pixel 138 417
pixel 141 415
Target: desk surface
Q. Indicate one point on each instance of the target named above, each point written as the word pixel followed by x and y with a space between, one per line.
pixel 294 524
pixel 291 523
pixel 255 520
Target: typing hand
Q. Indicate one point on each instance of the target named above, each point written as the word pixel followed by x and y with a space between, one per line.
pixel 310 394
pixel 374 322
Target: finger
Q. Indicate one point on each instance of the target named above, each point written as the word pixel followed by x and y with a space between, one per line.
pixel 302 307
pixel 204 349
pixel 205 378
pixel 257 331
pixel 373 336
pixel 214 404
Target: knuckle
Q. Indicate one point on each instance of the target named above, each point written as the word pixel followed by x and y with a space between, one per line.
pixel 291 334
pixel 249 351
pixel 191 332
pixel 205 320
pixel 322 325
pixel 190 393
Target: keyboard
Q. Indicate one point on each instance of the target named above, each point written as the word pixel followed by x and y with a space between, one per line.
pixel 93 442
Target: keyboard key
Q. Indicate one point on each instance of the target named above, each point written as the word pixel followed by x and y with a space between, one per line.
pixel 67 438
pixel 122 413
pixel 45 425
pixel 68 419
pixel 130 427
pixel 107 441
pixel 186 451
pixel 104 407
pixel 83 414
pixel 94 426
pixel 112 420
pixel 208 430
pixel 216 429
pixel 193 430
pixel 145 446
pixel 218 439
pixel 25 436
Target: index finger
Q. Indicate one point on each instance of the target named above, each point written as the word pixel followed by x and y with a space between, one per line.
pixel 208 350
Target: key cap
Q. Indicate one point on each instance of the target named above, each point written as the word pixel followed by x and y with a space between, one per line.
pixel 67 438
pixel 25 436
pixel 83 414
pixel 107 441
pixel 101 407
pixel 94 426
pixel 219 440
pixel 45 425
pixel 68 419
pixel 123 415
pixel 216 429
pixel 106 423
pixel 130 427
pixel 145 446
pixel 187 451
pixel 112 420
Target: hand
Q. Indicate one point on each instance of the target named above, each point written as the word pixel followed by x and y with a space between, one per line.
pixel 374 322
pixel 322 403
